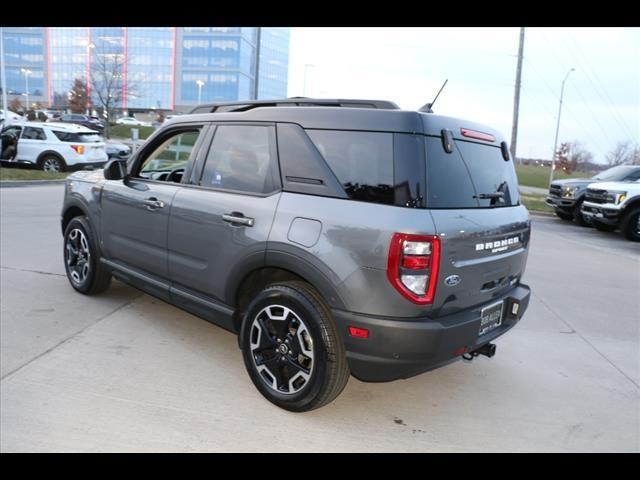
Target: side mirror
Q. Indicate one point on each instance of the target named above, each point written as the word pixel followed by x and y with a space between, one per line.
pixel 115 169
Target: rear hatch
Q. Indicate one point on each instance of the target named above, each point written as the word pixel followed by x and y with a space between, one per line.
pixel 484 230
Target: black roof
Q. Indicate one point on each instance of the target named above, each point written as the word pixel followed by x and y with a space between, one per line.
pixel 242 106
pixel 366 115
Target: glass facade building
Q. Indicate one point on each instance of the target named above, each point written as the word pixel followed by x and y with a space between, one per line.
pixel 25 63
pixel 168 68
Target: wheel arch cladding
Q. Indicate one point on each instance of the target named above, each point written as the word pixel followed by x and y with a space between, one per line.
pixel 52 153
pixel 71 211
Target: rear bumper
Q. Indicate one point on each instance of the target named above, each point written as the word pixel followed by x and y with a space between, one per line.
pixel 401 348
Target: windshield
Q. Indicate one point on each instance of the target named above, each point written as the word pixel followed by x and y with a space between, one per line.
pixel 615 174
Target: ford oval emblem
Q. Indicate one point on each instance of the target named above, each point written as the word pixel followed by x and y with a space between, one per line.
pixel 452 280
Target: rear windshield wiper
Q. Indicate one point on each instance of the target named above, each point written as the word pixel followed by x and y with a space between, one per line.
pixel 492 196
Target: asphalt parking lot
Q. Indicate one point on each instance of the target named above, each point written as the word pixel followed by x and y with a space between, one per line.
pixel 125 372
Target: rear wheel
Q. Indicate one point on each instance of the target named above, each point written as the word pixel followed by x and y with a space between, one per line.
pixel 631 225
pixel 563 215
pixel 51 163
pixel 292 349
pixel 603 227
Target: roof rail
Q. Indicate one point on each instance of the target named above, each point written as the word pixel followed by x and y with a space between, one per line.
pixel 240 106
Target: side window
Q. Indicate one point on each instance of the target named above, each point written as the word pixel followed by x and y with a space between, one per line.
pixel 33 133
pixel 633 176
pixel 167 162
pixel 362 162
pixel 240 158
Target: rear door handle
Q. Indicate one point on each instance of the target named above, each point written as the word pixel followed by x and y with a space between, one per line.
pixel 153 203
pixel 237 218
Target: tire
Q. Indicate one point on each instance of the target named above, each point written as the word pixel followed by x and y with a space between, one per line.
pixel 52 163
pixel 292 349
pixel 630 226
pixel 578 218
pixel 603 227
pixel 563 215
pixel 81 256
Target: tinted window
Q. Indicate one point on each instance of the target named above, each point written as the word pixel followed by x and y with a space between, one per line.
pixel 240 158
pixel 490 174
pixel 362 162
pixel 33 133
pixel 633 176
pixel 169 159
pixel 82 137
pixel 449 184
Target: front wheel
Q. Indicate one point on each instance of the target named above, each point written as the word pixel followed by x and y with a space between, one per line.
pixel 292 349
pixel 82 258
pixel 603 227
pixel 563 215
pixel 578 217
pixel 631 225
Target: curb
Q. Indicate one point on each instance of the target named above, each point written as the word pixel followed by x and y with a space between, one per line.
pixel 541 214
pixel 30 183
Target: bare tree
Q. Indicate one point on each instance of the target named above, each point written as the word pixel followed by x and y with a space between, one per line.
pixel 572 156
pixel 107 83
pixel 624 152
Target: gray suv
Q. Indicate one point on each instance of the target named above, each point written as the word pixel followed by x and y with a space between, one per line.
pixel 335 237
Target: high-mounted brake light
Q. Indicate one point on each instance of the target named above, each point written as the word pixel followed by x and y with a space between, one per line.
pixel 413 264
pixel 78 148
pixel 477 135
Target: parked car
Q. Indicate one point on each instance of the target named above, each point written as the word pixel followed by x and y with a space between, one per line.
pixel 612 205
pixel 333 240
pixel 117 149
pixel 133 122
pixel 85 120
pixel 52 146
pixel 566 196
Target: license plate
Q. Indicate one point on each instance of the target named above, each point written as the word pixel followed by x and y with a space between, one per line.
pixel 490 318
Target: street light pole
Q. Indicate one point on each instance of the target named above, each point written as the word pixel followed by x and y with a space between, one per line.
pixel 26 72
pixel 200 83
pixel 3 80
pixel 555 142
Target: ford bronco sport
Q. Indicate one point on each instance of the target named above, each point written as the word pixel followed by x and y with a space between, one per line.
pixel 336 237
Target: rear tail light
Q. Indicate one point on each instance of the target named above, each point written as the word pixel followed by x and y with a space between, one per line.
pixel 413 265
pixel 78 148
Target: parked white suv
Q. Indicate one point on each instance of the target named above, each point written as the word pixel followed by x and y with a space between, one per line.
pixel 611 205
pixel 53 147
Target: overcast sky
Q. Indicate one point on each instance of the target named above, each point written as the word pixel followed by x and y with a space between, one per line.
pixel 408 66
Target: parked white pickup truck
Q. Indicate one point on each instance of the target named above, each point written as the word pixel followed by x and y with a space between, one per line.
pixel 611 205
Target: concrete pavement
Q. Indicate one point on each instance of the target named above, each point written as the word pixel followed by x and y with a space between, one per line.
pixel 126 372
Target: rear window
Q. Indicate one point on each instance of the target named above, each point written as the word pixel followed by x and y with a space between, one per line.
pixel 376 167
pixel 460 179
pixel 82 137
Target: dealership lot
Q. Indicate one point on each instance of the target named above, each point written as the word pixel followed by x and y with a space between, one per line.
pixel 124 371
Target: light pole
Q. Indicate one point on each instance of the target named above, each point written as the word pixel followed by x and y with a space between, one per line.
pixel 304 88
pixel 200 83
pixel 26 72
pixel 555 142
pixel 3 80
pixel 90 47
